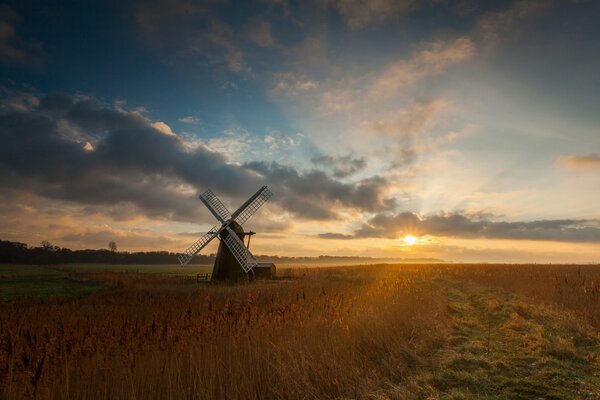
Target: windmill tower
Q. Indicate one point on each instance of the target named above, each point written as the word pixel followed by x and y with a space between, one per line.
pixel 234 261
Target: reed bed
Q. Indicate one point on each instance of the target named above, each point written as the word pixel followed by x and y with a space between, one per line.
pixel 318 333
pixel 315 333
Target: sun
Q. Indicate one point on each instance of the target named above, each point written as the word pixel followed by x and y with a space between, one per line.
pixel 409 240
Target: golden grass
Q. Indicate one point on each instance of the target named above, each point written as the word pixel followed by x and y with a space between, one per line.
pixel 319 334
pixel 571 287
pixel 315 333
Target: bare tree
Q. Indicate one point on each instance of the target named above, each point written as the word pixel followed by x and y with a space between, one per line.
pixel 112 246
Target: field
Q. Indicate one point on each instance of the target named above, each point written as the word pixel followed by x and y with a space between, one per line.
pixel 37 282
pixel 366 332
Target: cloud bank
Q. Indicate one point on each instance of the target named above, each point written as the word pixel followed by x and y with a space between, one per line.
pixel 393 226
pixel 81 150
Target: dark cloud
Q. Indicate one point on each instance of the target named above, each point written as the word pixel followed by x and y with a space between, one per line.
pixel 81 150
pixel 191 30
pixel 44 151
pixel 333 235
pixel 13 48
pixel 317 195
pixel 392 226
pixel 341 167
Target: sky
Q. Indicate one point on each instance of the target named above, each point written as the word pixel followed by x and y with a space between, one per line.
pixel 461 130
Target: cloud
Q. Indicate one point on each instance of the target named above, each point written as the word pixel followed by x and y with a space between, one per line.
pixel 316 195
pixel 333 235
pixel 80 150
pixel 125 238
pixel 13 48
pixel 164 128
pixel 277 141
pixel 493 27
pixel 291 84
pixel 342 166
pixel 433 58
pixel 261 34
pixel 189 120
pixel 359 14
pixel 393 226
pixel 234 144
pixel 190 30
pixel 415 119
pixel 575 162
pixel 15 100
pixel 132 161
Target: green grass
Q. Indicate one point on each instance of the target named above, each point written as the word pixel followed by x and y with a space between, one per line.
pixel 27 281
pixel 505 348
pixel 170 269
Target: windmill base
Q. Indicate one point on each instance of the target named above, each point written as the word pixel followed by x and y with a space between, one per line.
pixel 226 268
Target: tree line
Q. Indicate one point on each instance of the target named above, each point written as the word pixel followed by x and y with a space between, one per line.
pixel 46 253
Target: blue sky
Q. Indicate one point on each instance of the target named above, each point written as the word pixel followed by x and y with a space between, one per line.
pixel 471 126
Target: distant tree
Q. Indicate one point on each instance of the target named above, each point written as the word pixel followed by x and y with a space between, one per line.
pixel 112 246
pixel 46 245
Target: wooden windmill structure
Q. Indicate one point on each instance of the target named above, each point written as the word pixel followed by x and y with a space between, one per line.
pixel 234 262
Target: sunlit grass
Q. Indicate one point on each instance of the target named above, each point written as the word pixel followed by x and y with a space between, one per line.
pixel 405 331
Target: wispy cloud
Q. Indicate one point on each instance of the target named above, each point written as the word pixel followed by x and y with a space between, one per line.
pixel 189 120
pixel 415 119
pixel 260 33
pixel 359 14
pixel 493 27
pixel 291 84
pixel 14 49
pixel 575 162
pixel 432 58
pixel 190 30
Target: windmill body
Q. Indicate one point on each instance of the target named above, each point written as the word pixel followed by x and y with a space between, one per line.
pixel 234 262
pixel 226 266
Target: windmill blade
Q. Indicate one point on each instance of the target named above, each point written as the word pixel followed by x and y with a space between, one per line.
pixel 194 249
pixel 215 206
pixel 239 250
pixel 252 205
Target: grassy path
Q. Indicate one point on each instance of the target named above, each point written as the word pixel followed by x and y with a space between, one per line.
pixel 505 348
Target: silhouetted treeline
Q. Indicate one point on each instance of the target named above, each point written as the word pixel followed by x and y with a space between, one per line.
pixel 20 253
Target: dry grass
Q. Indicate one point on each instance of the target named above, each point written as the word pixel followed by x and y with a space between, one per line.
pixel 571 287
pixel 327 333
pixel 353 332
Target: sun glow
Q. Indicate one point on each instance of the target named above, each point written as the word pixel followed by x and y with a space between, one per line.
pixel 409 240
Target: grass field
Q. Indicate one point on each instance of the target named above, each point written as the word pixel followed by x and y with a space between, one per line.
pixel 372 332
pixel 170 269
pixel 26 281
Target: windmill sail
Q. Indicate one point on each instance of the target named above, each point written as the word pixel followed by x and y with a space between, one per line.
pixel 187 255
pixel 216 207
pixel 239 250
pixel 252 205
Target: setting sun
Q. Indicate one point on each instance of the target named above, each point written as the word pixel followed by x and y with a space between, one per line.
pixel 409 240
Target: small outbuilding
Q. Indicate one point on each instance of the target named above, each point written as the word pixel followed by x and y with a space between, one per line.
pixel 264 271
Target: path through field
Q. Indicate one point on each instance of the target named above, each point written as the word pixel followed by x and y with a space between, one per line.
pixel 505 348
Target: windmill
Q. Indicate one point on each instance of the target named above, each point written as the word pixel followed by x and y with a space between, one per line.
pixel 234 254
